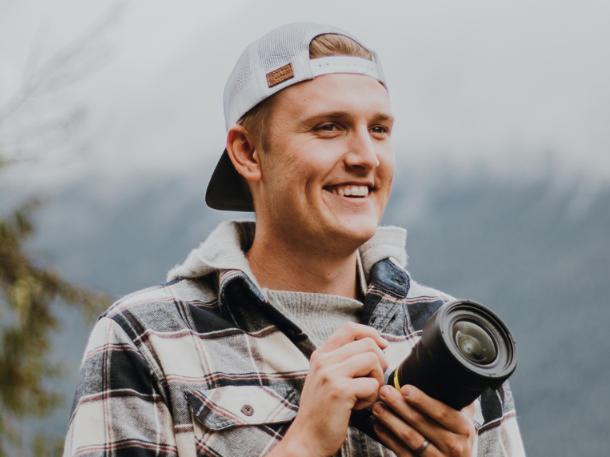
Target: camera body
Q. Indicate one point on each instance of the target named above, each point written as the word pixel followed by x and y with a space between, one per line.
pixel 464 349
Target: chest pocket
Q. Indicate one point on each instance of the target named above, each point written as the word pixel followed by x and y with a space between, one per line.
pixel 240 420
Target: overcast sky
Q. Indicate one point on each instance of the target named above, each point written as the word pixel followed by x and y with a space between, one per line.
pixel 511 86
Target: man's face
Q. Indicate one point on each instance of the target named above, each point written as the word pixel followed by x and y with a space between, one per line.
pixel 327 174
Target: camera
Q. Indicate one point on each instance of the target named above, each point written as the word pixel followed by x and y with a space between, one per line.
pixel 464 349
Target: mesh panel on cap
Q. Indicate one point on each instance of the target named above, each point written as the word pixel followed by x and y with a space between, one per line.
pixel 247 84
pixel 274 53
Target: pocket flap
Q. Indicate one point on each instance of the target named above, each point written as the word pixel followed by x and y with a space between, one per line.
pixel 231 406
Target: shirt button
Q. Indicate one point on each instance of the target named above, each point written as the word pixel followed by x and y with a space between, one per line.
pixel 247 410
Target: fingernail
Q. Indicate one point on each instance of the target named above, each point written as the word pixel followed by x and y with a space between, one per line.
pixel 406 391
pixel 378 408
pixel 384 391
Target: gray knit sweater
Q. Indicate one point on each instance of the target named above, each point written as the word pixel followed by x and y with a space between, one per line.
pixel 319 315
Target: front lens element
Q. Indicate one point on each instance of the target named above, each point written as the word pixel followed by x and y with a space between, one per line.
pixel 474 342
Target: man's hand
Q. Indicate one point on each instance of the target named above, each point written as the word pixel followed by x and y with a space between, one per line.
pixel 345 373
pixel 409 417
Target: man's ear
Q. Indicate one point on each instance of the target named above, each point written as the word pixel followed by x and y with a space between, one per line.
pixel 242 150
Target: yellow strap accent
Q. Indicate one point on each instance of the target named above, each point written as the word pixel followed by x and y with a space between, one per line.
pixel 396 383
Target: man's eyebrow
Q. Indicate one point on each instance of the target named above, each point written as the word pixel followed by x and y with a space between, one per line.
pixel 329 115
pixel 379 117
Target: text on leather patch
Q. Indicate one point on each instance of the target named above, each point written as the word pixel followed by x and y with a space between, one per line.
pixel 280 75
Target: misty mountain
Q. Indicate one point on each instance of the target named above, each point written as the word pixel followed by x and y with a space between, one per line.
pixel 521 249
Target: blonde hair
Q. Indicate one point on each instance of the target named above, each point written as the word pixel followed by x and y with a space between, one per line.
pixel 330 44
pixel 336 45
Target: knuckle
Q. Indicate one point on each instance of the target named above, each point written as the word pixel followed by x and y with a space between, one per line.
pixel 468 430
pixel 336 390
pixel 317 354
pixel 406 435
pixel 316 361
pixel 443 415
pixel 417 417
pixel 326 376
pixel 370 358
pixel 369 343
pixel 320 360
pixel 454 446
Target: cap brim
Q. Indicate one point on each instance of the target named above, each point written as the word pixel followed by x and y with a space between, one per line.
pixel 225 190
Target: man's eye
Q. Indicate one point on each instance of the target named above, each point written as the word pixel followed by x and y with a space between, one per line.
pixel 379 129
pixel 328 127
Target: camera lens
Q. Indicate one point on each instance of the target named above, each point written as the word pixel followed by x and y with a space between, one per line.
pixel 474 342
pixel 464 349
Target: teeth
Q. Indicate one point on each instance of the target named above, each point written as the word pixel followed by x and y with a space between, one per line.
pixel 351 191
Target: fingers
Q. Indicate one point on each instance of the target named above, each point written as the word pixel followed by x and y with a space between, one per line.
pixel 411 415
pixel 336 372
pixel 366 345
pixel 340 379
pixel 399 432
pixel 446 416
pixel 395 401
pixel 392 441
pixel 352 332
pixel 365 389
pixel 404 446
pixel 345 373
pixel 361 365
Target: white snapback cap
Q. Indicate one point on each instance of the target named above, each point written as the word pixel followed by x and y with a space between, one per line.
pixel 272 63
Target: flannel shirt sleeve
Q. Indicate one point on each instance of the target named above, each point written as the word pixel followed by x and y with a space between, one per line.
pixel 510 436
pixel 511 442
pixel 118 409
pixel 499 437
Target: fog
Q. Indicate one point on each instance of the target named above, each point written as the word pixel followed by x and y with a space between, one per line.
pixel 510 88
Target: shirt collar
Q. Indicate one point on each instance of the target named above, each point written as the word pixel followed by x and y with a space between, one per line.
pixel 225 249
pixel 223 253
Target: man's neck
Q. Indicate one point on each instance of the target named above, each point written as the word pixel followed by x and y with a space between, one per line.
pixel 284 266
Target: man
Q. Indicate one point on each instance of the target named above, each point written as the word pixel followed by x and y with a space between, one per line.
pixel 256 345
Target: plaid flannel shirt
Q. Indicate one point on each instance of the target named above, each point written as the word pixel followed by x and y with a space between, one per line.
pixel 206 366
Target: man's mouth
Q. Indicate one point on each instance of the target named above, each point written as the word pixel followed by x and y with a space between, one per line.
pixel 349 190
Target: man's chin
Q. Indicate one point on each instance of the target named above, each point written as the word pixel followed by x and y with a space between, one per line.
pixel 356 232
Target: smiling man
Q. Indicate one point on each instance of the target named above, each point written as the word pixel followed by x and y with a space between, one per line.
pixel 270 334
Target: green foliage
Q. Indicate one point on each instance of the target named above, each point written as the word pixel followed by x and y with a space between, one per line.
pixel 27 293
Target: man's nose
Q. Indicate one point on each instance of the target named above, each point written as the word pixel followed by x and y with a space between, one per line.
pixel 361 153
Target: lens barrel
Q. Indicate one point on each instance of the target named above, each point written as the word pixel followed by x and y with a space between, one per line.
pixel 464 349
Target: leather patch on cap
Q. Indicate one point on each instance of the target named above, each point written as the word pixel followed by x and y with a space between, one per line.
pixel 280 75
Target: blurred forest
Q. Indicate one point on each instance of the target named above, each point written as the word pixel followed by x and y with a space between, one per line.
pixel 31 127
pixel 27 295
